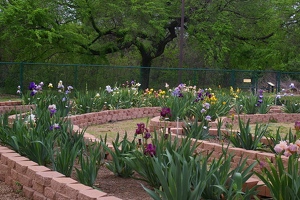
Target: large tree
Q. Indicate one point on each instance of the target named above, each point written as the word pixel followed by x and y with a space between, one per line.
pixel 226 33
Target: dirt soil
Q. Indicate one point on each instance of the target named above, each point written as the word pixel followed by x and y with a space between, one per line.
pixel 7 193
pixel 123 188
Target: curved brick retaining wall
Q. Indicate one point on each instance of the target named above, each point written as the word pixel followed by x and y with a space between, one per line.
pixel 14 105
pixel 39 182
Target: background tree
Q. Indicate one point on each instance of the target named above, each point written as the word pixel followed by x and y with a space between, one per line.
pixel 228 34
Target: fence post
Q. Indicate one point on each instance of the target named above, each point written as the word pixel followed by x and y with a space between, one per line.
pixel 76 76
pixel 254 80
pixel 278 77
pixel 21 77
pixel 232 79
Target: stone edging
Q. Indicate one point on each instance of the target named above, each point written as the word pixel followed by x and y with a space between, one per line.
pixel 252 156
pixel 39 182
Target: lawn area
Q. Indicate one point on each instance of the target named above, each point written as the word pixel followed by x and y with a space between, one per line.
pixel 113 128
pixel 129 126
pixel 6 97
pixel 284 128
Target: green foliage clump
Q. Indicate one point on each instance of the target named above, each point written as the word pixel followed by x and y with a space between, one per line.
pixel 245 139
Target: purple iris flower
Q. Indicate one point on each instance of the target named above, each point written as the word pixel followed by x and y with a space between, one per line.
pixel 147 135
pixel 32 85
pixel 176 92
pixel 150 150
pixel 54 127
pixel 52 109
pixel 297 125
pixel 208 118
pixel 52 112
pixel 70 87
pixel 140 129
pixel 260 98
pixel 33 92
pixel 165 111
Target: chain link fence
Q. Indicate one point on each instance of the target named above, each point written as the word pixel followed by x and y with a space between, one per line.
pixel 93 77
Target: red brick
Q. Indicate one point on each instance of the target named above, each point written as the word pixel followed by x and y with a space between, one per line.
pixel 38 187
pixel 268 192
pixel 236 159
pixel 209 146
pixel 21 166
pixel 17 186
pixel 5 150
pixel 14 174
pixel 49 192
pixel 28 192
pixel 90 194
pixel 5 156
pixel 109 198
pixel 12 160
pixel 261 190
pixel 250 162
pixel 219 148
pixel 4 171
pixel 38 196
pixel 250 183
pixel 60 196
pixel 216 155
pixel 32 170
pixel 234 151
pixel 265 157
pixel 8 180
pixel 25 180
pixel 59 184
pixel 73 189
pixel 44 178
pixel 250 154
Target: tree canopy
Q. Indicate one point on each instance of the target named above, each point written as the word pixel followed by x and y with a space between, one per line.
pixel 230 34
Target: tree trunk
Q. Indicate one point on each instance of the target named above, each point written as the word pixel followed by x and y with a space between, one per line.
pixel 145 72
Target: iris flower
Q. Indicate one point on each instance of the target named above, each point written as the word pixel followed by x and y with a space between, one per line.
pixel 150 150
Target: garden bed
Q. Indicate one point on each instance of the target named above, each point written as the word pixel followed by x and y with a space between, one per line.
pixel 39 182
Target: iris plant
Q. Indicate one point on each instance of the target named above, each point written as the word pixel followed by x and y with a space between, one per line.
pixel 52 109
pixel 149 149
pixel 165 112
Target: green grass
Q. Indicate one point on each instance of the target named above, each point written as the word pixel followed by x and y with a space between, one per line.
pixel 272 128
pixel 129 126
pixel 6 97
pixel 111 129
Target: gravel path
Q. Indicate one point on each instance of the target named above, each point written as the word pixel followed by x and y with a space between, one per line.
pixel 7 193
